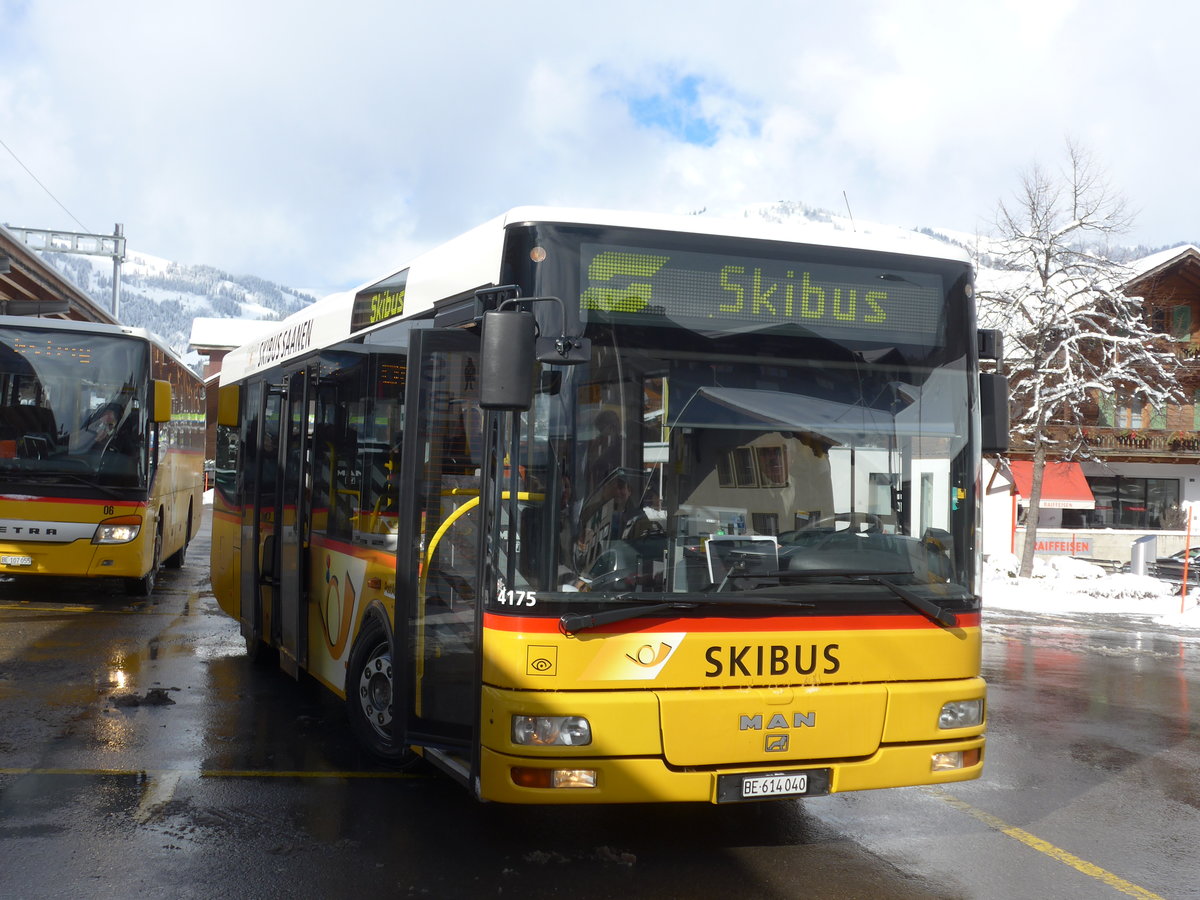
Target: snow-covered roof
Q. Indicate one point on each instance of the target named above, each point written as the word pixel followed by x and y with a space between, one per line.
pixel 1164 259
pixel 209 332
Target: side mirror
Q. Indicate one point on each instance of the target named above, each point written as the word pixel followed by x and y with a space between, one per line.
pixel 228 401
pixel 506 360
pixel 161 410
pixel 993 410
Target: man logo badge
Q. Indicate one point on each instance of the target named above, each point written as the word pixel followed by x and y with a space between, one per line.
pixel 776 743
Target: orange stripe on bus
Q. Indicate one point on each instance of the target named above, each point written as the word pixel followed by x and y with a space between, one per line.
pixel 714 624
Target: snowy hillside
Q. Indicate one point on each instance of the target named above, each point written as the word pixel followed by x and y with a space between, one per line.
pixel 164 297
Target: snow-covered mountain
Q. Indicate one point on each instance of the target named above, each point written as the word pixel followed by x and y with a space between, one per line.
pixel 164 297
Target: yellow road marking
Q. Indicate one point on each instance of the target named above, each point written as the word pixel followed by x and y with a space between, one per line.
pixel 64 607
pixel 29 607
pixel 1056 853
pixel 211 773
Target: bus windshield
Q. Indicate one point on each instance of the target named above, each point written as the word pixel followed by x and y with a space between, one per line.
pixel 72 408
pixel 700 472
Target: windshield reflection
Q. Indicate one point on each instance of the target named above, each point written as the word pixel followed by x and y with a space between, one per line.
pixel 682 473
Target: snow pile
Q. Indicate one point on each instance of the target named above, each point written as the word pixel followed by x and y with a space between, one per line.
pixel 1065 585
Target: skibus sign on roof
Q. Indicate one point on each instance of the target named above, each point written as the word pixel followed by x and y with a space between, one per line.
pixel 380 302
pixel 700 290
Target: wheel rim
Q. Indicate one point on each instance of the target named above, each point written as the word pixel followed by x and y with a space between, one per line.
pixel 375 690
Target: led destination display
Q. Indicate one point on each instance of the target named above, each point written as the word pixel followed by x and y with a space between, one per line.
pixel 704 291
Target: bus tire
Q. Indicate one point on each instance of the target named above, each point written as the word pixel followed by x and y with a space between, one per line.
pixel 370 687
pixel 144 586
pixel 177 559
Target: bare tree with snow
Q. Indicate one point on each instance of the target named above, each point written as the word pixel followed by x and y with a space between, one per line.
pixel 1071 335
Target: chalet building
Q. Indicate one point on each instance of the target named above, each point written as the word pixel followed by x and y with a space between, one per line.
pixel 1145 474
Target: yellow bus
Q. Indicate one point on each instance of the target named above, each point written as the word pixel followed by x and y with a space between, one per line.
pixel 101 452
pixel 597 507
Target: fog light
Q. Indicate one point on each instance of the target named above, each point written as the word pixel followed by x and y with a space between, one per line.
pixel 524 776
pixel 954 759
pixel 551 731
pixel 961 714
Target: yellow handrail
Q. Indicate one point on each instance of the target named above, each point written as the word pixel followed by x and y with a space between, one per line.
pixel 454 517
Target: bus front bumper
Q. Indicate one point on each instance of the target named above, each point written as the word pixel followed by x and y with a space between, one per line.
pixel 78 559
pixel 651 780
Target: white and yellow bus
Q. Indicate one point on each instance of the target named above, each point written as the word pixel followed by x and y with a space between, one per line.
pixel 101 452
pixel 594 507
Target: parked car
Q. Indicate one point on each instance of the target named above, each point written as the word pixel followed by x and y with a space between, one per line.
pixel 1170 568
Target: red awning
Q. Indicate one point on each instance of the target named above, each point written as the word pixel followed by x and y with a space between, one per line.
pixel 1063 485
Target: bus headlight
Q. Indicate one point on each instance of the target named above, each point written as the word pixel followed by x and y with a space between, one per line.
pixel 119 530
pixel 551 731
pixel 961 714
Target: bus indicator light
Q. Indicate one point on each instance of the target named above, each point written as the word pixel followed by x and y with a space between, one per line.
pixel 527 777
pixel 954 759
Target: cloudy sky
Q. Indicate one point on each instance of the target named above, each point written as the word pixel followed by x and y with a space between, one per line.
pixel 321 144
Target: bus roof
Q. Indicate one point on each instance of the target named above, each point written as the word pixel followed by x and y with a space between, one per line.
pixel 94 328
pixel 472 260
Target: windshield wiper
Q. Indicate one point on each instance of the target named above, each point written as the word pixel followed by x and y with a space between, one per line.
pixel 926 607
pixel 570 623
pixel 573 622
pixel 939 614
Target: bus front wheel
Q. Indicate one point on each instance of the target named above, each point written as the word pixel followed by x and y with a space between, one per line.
pixel 370 687
pixel 144 586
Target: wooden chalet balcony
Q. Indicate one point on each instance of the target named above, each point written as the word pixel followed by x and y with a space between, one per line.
pixel 1146 441
pixel 1141 444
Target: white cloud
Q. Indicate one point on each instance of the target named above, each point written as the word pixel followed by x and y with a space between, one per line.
pixel 319 145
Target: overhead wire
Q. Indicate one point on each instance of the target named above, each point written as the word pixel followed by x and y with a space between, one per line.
pixel 13 154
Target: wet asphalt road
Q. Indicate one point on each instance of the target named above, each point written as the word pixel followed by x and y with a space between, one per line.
pixel 142 755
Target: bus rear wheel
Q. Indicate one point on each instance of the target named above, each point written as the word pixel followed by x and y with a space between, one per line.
pixel 370 687
pixel 177 559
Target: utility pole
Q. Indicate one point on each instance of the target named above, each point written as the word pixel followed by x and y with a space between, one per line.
pixel 86 244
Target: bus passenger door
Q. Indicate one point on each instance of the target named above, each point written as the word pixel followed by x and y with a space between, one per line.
pixel 260 514
pixel 438 617
pixel 292 530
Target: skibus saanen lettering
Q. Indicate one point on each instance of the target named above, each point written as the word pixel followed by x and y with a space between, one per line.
pixel 101 452
pixel 617 508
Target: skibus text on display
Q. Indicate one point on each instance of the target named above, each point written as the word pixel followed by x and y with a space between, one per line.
pixel 589 507
pixel 101 452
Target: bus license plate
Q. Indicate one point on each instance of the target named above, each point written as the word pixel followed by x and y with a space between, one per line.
pixel 774 785
pixel 16 560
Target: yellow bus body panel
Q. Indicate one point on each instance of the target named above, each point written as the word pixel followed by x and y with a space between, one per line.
pixel 671 709
pixel 56 534
pixel 78 558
